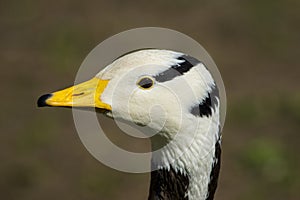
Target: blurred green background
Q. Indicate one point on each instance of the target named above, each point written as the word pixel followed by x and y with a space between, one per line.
pixel 255 44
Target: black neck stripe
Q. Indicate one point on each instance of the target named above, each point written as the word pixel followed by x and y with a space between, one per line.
pixel 214 174
pixel 171 184
pixel 168 184
pixel 178 69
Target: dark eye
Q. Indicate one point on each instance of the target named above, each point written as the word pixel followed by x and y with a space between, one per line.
pixel 146 82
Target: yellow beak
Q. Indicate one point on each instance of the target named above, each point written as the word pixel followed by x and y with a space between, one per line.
pixel 86 94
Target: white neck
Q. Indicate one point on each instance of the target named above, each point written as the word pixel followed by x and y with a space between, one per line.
pixel 194 153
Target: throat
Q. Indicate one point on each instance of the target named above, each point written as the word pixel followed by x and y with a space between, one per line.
pixel 168 184
pixel 188 177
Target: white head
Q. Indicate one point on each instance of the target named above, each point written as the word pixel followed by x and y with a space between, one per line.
pixel 170 93
pixel 165 82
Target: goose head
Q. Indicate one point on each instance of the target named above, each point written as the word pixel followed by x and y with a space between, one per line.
pixel 175 97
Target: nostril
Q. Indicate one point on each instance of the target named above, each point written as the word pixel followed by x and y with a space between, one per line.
pixel 42 100
pixel 78 94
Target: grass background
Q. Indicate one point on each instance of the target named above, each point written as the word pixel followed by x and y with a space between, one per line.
pixel 254 43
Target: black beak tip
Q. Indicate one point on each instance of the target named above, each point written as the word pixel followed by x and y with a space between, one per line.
pixel 42 100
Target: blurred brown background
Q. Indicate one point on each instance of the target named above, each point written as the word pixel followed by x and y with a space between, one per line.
pixel 254 43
